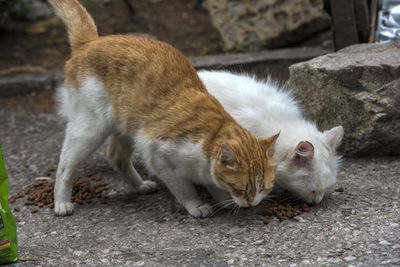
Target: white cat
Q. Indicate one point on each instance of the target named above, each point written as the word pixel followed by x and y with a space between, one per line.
pixel 306 160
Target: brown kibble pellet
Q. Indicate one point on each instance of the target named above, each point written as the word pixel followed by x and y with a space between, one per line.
pixel 34 210
pixel 20 194
pixel 11 199
pixel 266 221
pixel 339 189
pixel 51 205
pixel 16 209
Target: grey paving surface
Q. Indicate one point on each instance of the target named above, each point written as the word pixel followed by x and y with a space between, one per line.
pixel 359 227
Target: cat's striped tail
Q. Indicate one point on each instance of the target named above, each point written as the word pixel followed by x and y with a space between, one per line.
pixel 80 25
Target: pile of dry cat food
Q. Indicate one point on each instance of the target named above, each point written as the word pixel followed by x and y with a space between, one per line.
pixel 41 193
pixel 284 207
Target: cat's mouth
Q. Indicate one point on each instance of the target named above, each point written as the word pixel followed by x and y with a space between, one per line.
pixel 244 203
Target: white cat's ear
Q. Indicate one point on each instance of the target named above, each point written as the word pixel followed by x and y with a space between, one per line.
pixel 334 136
pixel 227 156
pixel 304 152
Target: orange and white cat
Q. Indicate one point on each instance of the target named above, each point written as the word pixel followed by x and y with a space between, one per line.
pixel 145 92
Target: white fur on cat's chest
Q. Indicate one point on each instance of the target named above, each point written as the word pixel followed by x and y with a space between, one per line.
pixel 181 158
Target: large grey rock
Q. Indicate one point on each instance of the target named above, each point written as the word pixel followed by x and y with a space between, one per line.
pixel 359 88
pixel 252 25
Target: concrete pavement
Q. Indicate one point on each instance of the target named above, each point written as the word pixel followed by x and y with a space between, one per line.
pixel 358 227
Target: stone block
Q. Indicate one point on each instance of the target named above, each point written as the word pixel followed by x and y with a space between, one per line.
pixel 252 25
pixel 357 87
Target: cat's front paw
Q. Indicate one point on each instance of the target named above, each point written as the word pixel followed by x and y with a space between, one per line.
pixel 63 208
pixel 147 187
pixel 202 211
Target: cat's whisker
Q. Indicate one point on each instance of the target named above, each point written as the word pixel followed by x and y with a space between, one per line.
pixel 267 200
pixel 222 207
pixel 234 209
pixel 222 203
pixel 237 211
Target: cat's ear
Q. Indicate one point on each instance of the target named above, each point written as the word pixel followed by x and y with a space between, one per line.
pixel 304 152
pixel 227 156
pixel 266 143
pixel 334 136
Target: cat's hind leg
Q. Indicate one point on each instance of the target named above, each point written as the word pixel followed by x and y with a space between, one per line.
pixel 119 153
pixel 82 137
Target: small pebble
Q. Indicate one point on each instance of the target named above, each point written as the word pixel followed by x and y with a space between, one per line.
pixel 384 243
pixel 350 258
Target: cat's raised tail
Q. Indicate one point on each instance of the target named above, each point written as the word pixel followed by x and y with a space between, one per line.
pixel 80 25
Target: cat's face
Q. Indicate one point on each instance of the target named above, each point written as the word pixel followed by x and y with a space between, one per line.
pixel 311 169
pixel 248 175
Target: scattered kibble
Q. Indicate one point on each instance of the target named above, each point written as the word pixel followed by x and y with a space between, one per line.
pixel 40 194
pixel 284 207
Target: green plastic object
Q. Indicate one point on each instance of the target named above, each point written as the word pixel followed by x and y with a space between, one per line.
pixel 8 228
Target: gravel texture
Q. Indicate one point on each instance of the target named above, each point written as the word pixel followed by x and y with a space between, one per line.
pixel 357 227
